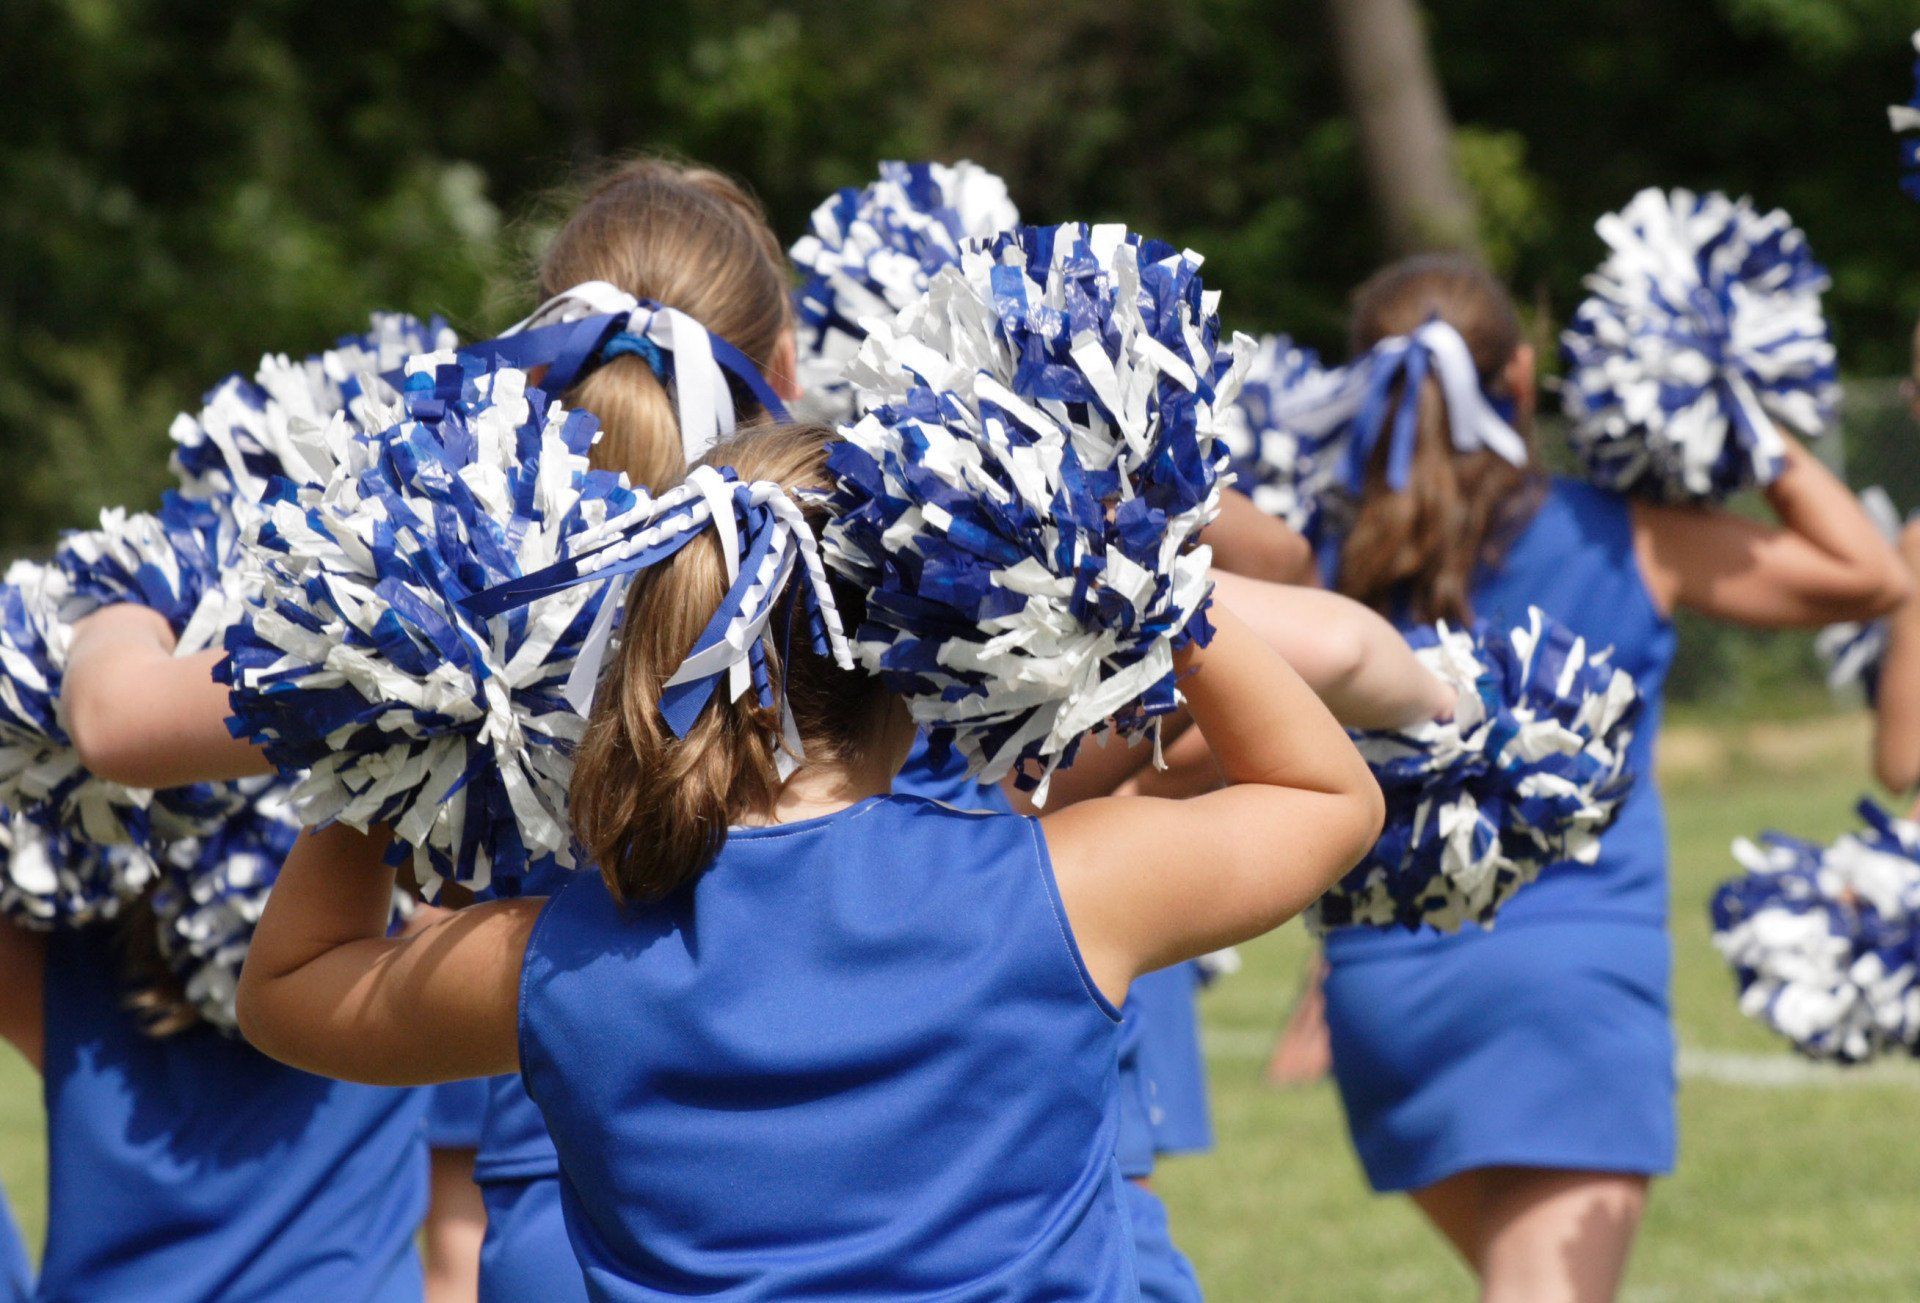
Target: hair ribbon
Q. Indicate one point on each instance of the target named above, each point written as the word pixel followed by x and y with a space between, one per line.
pixel 579 328
pixel 763 539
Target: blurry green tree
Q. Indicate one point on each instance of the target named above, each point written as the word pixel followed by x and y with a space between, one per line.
pixel 184 183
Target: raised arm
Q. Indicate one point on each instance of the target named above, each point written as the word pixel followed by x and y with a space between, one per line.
pixel 1357 662
pixel 142 716
pixel 1149 882
pixel 1247 541
pixel 1896 707
pixel 325 989
pixel 1824 561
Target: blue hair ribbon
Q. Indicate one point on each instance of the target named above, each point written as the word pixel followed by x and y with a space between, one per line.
pixel 764 539
pixel 577 330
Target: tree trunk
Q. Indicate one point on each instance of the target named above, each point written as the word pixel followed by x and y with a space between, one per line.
pixel 1406 137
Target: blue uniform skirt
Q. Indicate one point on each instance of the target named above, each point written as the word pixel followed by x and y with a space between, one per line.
pixel 1542 1043
pixel 526 1255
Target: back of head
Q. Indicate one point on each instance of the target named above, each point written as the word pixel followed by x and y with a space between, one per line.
pixel 653 809
pixel 1416 550
pixel 688 238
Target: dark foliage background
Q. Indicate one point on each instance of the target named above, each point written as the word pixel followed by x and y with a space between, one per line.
pixel 184 183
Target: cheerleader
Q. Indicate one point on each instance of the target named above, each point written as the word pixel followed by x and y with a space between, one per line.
pixel 182 1163
pixel 872 1037
pixel 1367 675
pixel 1519 1082
pixel 684 237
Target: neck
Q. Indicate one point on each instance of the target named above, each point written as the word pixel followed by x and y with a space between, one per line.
pixel 816 790
pixel 828 787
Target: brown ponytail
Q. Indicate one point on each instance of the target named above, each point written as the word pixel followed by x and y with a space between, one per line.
pixel 155 995
pixel 690 238
pixel 653 809
pixel 1418 550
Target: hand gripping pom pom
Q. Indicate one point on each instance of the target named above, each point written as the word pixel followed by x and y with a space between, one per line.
pixel 1529 771
pixel 1022 501
pixel 871 252
pixel 1287 466
pixel 1823 940
pixel 358 662
pixel 1703 329
pixel 1854 649
pixel 248 431
pixel 1906 118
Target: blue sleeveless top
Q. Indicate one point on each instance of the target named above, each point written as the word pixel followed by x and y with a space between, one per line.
pixel 456 1112
pixel 193 1167
pixel 860 1058
pixel 1576 562
pixel 514 1145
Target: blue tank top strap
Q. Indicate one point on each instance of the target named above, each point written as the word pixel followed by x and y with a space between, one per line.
pixel 192 1167
pixel 860 1058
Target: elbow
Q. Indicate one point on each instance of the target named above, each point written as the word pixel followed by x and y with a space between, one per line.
pixel 1876 588
pixel 1893 587
pixel 1363 819
pixel 253 1015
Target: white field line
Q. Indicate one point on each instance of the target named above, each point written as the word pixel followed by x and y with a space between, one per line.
pixel 1780 1071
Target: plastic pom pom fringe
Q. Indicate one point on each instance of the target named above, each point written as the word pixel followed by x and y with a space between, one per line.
pixel 40 773
pixel 1529 771
pixel 248 431
pixel 49 879
pixel 1853 650
pixel 1290 469
pixel 1703 328
pixel 870 252
pixel 1823 940
pixel 359 663
pixel 1906 118
pixel 1022 501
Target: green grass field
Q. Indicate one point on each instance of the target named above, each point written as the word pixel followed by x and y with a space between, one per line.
pixel 1796 1182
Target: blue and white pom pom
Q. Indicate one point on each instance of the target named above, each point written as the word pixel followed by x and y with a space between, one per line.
pixel 1022 501
pixel 1906 118
pixel 358 663
pixel 870 252
pixel 1528 772
pixel 49 879
pixel 1282 449
pixel 1823 941
pixel 248 431
pixel 1854 649
pixel 212 889
pixel 40 772
pixel 1702 330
